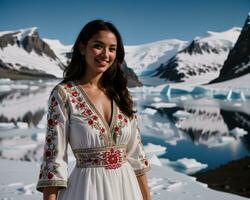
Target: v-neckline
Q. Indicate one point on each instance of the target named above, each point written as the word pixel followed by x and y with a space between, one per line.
pixel 93 107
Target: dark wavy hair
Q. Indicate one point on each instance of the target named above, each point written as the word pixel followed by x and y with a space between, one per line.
pixel 113 79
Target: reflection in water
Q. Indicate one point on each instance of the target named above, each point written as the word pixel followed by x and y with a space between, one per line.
pixel 238 119
pixel 213 133
pixel 210 126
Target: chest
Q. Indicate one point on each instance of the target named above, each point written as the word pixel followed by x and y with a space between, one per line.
pixel 101 103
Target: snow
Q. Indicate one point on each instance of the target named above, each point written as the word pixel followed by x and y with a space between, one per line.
pixel 59 49
pixel 19 57
pixel 147 57
pixel 22 33
pixel 164 183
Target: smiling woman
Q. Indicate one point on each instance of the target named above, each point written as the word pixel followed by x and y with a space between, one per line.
pixel 92 110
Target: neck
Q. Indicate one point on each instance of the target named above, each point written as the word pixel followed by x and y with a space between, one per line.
pixel 91 80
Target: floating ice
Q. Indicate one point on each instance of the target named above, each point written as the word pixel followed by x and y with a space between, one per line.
pixel 5 88
pixel 157 99
pixel 182 114
pixel 163 105
pixel 238 132
pixel 200 91
pixel 149 111
pixel 189 163
pixel 22 125
pixel 184 165
pixel 153 149
pixel 7 125
pixel 169 91
pixel 231 95
pixel 5 81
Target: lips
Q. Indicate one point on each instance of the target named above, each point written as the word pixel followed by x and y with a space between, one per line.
pixel 102 62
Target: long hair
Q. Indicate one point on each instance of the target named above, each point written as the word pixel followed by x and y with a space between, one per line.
pixel 113 79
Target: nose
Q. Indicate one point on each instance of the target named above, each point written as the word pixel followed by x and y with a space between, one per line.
pixel 105 52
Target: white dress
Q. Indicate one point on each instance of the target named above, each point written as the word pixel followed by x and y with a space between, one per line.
pixel 109 157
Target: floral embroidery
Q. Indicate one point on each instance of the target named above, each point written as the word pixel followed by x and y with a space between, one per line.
pixel 122 121
pixel 48 170
pixel 85 111
pixel 110 158
pixel 142 156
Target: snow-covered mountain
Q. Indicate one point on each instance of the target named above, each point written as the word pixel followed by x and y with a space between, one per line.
pixel 238 61
pixel 202 59
pixel 63 52
pixel 24 52
pixel 145 58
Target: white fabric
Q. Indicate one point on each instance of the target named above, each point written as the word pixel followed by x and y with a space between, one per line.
pixel 73 119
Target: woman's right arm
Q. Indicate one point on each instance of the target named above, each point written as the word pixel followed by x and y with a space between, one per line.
pixel 50 193
pixel 53 170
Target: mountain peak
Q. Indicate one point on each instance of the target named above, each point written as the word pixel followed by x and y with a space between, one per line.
pixel 22 33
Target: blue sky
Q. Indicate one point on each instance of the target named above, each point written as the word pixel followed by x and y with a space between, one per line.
pixel 139 21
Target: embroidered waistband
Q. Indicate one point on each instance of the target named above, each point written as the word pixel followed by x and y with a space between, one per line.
pixel 108 157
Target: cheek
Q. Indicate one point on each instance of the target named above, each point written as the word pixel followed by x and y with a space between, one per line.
pixel 94 52
pixel 113 56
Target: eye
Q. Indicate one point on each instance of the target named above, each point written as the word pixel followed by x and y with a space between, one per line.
pixel 112 49
pixel 97 46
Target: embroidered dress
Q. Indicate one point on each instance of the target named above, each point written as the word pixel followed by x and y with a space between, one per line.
pixel 108 157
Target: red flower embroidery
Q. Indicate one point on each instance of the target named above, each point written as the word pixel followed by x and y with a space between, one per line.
pixel 87 112
pixel 94 117
pixel 146 162
pixel 51 122
pixel 48 153
pixel 125 120
pixel 75 93
pixel 49 140
pixel 102 130
pixel 69 85
pixel 119 116
pixel 50 175
pixel 82 105
pixel 113 159
pixel 117 129
pixel 90 122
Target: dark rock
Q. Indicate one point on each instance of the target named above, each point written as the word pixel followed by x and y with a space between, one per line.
pixel 238 58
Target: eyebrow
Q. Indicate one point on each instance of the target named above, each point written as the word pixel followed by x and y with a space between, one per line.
pixel 98 41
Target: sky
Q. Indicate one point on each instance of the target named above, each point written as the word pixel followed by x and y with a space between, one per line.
pixel 139 21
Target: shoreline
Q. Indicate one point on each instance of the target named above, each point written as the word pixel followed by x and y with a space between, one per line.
pixel 232 177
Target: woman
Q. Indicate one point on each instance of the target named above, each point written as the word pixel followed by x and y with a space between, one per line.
pixel 92 110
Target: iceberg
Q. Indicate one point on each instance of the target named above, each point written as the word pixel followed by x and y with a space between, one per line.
pixel 169 91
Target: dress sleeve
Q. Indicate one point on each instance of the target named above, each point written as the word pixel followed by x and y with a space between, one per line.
pixel 53 171
pixel 136 154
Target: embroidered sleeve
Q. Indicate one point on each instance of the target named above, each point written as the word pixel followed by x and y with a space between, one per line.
pixel 136 154
pixel 53 171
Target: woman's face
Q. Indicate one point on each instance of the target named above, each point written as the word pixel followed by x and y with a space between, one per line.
pixel 100 51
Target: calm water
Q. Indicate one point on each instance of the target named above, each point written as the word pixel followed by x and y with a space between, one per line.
pixel 191 127
pixel 199 128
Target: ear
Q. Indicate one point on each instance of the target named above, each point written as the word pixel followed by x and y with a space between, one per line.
pixel 82 48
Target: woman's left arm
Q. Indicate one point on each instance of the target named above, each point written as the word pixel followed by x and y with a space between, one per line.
pixel 143 183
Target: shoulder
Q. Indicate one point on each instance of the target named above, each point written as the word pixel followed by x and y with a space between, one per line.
pixel 61 91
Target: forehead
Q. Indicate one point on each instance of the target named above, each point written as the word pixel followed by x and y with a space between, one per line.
pixel 106 37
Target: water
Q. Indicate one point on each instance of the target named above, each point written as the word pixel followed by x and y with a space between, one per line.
pixel 190 127
pixel 198 128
